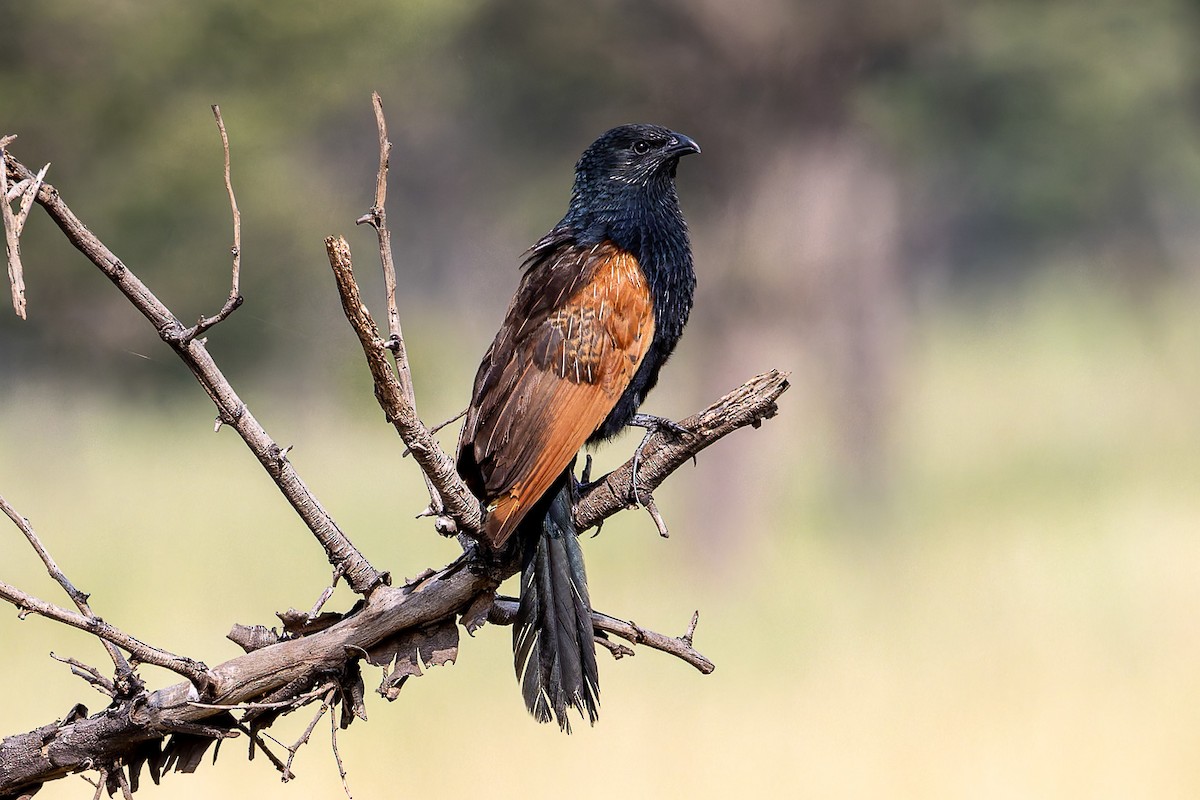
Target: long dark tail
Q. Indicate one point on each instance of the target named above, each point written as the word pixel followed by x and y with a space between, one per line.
pixel 553 649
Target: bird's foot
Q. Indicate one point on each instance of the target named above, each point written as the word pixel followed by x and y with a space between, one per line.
pixel 653 425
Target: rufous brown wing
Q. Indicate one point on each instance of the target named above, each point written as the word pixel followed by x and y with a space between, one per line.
pixel 575 333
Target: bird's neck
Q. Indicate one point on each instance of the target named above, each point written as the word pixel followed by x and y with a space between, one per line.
pixel 649 225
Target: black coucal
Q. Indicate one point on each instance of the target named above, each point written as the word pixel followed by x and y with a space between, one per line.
pixel 602 302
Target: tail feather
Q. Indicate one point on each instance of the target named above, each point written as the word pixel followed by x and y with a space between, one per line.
pixel 554 652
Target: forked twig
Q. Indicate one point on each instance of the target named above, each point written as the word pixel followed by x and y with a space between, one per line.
pixel 26 604
pixel 80 599
pixel 377 219
pixel 89 673
pixel 326 705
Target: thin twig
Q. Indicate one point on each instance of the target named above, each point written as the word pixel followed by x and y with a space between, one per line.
pixel 256 737
pixel 303 740
pixel 80 599
pixel 89 673
pixel 326 594
pixel 407 452
pixel 295 702
pixel 377 219
pixel 504 611
pixel 617 649
pixel 123 782
pixel 194 671
pixel 690 633
pixel 652 508
pixel 100 784
pixel 235 295
pixel 337 757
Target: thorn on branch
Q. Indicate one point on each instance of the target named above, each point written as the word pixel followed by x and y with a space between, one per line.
pixel 691 629
pixel 659 522
pixel 338 571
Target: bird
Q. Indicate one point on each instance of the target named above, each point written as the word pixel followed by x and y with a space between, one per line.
pixel 602 301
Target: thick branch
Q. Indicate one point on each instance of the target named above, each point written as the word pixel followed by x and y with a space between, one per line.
pixel 44 755
pixel 359 573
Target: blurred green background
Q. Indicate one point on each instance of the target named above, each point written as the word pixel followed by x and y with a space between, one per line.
pixel 963 561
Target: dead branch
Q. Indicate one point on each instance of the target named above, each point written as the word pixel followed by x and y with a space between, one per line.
pixel 193 670
pixel 231 411
pixel 504 611
pixel 664 452
pixel 235 294
pixel 80 599
pixel 460 504
pixel 377 219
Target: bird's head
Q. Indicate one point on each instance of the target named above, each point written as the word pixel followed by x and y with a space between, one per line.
pixel 628 159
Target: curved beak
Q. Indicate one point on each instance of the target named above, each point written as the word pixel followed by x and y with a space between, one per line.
pixel 680 145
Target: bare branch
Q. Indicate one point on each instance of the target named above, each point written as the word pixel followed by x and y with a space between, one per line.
pixel 460 504
pixel 326 594
pixel 235 296
pixel 337 757
pixel 388 610
pixel 326 704
pixel 290 703
pixel 504 611
pixel 40 755
pixel 278 676
pixel 80 599
pixel 377 218
pixel 360 575
pixel 656 515
pixel 664 452
pixel 194 671
pixel 89 674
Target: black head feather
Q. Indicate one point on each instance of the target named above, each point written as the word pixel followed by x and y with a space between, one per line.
pixel 627 159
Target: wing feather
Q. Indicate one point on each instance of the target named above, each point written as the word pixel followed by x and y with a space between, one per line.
pixel 552 375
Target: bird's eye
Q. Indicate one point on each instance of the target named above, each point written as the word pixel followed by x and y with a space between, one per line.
pixel 641 147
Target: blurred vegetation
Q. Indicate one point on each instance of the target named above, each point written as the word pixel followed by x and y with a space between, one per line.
pixel 963 557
